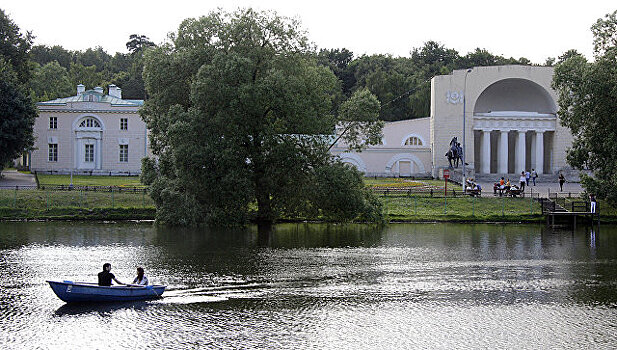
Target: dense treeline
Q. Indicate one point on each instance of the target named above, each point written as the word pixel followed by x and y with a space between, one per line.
pixel 57 71
pixel 402 84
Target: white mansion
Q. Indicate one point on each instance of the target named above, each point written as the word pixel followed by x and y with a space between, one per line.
pixel 90 133
pixel 510 125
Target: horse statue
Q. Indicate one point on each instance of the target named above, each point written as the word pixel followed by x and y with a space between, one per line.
pixel 455 152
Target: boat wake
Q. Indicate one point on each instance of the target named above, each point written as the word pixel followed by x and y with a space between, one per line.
pixel 210 294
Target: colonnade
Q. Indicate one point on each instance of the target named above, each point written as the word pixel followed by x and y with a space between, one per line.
pixel 503 151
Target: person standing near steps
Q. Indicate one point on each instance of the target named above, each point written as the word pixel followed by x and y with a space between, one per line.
pixel 562 179
pixel 534 176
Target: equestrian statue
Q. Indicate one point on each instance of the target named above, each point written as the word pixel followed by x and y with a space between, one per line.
pixel 455 152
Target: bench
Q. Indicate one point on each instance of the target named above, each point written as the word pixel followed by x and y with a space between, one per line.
pixel 515 192
pixel 473 193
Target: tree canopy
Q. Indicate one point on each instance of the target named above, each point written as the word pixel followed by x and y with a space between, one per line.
pixel 240 115
pixel 137 43
pixel 587 106
pixel 17 116
pixel 92 67
pixel 402 84
pixel 15 47
pixel 17 112
pixel 51 81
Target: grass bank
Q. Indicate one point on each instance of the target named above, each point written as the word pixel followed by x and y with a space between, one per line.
pixel 84 180
pixel 467 209
pixel 81 214
pixel 46 200
pixel 111 205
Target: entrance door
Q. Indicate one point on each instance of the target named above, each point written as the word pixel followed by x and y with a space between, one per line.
pixel 404 168
pixel 87 154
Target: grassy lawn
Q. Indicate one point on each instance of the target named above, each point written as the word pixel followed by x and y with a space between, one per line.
pixel 421 208
pixel 45 200
pixel 84 180
pixel 402 182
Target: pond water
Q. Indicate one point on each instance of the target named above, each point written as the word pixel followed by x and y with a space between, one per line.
pixel 425 286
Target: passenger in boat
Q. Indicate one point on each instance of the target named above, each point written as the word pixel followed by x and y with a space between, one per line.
pixel 141 279
pixel 106 276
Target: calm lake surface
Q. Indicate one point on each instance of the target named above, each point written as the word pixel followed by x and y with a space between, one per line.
pixel 411 286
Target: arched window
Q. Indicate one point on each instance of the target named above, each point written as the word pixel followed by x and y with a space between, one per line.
pixel 413 141
pixel 89 123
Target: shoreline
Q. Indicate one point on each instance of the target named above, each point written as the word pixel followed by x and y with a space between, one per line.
pixel 148 215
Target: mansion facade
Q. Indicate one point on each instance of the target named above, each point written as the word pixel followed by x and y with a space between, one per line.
pixel 90 133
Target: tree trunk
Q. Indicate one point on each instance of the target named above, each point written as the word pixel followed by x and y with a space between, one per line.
pixel 264 207
pixel 264 202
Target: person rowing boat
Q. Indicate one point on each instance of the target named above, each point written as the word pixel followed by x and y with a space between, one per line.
pixel 106 276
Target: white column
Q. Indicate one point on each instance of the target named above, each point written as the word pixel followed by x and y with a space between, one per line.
pixel 503 152
pixel 539 150
pixel 486 152
pixel 98 154
pixel 520 153
pixel 76 148
pixel 532 151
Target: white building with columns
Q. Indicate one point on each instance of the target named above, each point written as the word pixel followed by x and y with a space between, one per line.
pixel 511 125
pixel 90 133
pixel 511 122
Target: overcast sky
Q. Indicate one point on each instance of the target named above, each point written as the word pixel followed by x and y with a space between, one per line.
pixel 533 29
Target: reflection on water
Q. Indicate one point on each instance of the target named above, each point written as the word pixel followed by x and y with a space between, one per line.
pixel 315 286
pixel 101 309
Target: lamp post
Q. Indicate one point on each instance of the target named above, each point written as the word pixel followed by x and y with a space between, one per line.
pixel 464 130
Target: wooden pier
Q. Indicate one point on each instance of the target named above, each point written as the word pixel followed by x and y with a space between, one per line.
pixel 576 211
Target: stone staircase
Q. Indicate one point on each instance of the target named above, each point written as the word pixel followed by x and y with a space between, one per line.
pixel 570 175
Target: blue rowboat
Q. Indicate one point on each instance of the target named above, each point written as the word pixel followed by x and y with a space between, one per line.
pixel 72 292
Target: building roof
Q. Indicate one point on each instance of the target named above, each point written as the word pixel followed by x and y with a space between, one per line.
pixel 92 96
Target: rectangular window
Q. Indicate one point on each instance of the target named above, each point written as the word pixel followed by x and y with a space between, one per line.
pixel 124 153
pixel 89 156
pixel 52 152
pixel 53 122
pixel 124 124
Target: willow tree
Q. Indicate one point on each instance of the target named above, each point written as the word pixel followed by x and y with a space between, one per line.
pixel 587 96
pixel 240 115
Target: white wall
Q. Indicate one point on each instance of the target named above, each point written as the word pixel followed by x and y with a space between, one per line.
pixel 384 160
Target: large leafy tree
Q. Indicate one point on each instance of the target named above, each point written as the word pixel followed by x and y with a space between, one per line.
pixel 43 54
pixel 137 43
pixel 14 47
pixel 587 106
pixel 17 115
pixel 338 60
pixel 17 112
pixel 240 114
pixel 51 81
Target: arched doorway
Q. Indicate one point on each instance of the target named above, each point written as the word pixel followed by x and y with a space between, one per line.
pixel 353 159
pixel 514 123
pixel 404 164
pixel 88 142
